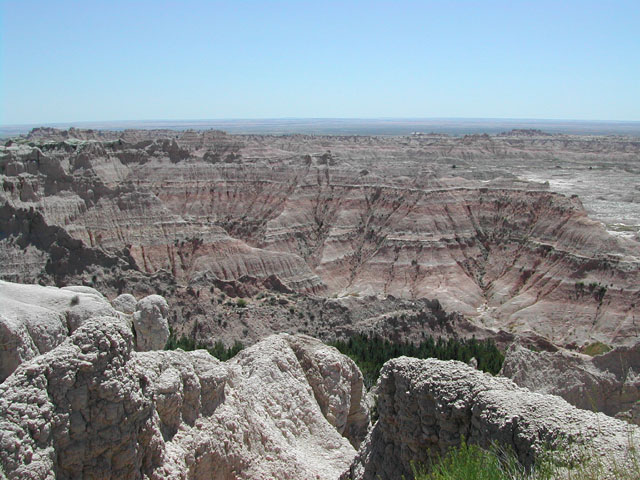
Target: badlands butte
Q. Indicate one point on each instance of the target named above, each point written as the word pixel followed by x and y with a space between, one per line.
pixel 340 225
pixel 525 238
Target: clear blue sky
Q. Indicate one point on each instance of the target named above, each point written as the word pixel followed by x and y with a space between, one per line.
pixel 64 61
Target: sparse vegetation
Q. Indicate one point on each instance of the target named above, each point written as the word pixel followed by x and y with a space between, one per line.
pixel 470 462
pixel 225 353
pixel 595 289
pixel 371 352
pixel 596 348
pixel 600 293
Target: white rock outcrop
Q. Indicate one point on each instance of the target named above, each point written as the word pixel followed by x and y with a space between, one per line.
pixel 93 407
pixel 125 303
pixel 35 319
pixel 150 323
pixel 337 384
pixel 427 406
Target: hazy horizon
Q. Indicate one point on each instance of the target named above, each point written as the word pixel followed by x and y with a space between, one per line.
pixel 354 126
pixel 72 62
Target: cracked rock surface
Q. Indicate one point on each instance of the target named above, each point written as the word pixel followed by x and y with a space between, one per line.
pixel 427 406
pixel 93 407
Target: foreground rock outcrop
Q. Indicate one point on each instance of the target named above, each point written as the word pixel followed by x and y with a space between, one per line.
pixel 150 323
pixel 94 407
pixel 35 319
pixel 337 386
pixel 427 406
pixel 608 383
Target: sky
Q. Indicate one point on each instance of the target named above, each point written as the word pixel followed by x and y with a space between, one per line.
pixel 74 61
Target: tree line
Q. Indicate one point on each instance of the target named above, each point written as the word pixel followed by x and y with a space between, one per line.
pixel 218 350
pixel 370 352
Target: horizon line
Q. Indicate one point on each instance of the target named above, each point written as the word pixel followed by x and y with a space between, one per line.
pixel 258 119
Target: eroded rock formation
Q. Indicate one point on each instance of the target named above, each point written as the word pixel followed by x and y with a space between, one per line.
pixel 427 406
pixel 150 323
pixel 337 386
pixel 95 407
pixel 36 319
pixel 329 216
pixel 607 383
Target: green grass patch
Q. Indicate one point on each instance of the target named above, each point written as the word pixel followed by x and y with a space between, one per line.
pixel 621 227
pixel 596 348
pixel 470 462
pixel 467 462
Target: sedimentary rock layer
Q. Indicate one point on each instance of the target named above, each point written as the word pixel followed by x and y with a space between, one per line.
pixel 338 216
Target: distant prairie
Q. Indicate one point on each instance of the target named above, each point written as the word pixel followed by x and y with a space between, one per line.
pixel 358 126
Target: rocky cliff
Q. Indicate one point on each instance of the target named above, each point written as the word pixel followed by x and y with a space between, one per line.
pixel 428 406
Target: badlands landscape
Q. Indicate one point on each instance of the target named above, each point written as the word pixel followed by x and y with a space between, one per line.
pixel 115 243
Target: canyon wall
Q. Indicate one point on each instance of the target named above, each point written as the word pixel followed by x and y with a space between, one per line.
pixel 331 216
pixel 607 382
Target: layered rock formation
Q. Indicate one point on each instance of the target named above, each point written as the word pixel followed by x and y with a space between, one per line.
pixel 607 383
pixel 329 216
pixel 427 406
pixel 93 407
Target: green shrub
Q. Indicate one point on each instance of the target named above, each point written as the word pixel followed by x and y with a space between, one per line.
pixel 223 353
pixel 468 462
pixel 596 348
pixel 241 303
pixel 184 343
